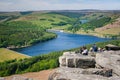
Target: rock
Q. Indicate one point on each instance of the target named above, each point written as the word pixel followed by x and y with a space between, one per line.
pixel 62 61
pixel 85 62
pixel 77 74
pixel 102 72
pixel 76 61
pixel 112 47
pixel 1 78
pixel 109 60
pixel 114 78
pixel 17 77
pixel 104 66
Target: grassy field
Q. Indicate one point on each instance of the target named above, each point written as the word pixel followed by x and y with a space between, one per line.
pixel 6 54
pixel 114 31
pixel 45 19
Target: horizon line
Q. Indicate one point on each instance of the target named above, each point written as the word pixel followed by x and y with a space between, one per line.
pixel 64 10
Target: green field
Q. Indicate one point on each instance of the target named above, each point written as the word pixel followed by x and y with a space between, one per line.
pixel 6 55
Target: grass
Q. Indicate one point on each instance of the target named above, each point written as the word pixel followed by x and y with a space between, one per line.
pixel 94 16
pixel 6 54
pixel 114 31
pixel 45 19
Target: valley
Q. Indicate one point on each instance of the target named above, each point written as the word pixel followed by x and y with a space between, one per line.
pixel 25 29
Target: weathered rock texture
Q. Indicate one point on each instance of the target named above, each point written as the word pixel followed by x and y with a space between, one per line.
pixel 76 61
pixel 1 78
pixel 20 78
pixel 79 74
pixel 105 66
pixel 109 60
pixel 112 47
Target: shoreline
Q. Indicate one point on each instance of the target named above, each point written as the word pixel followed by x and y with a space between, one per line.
pixel 12 47
pixel 91 34
pixel 20 53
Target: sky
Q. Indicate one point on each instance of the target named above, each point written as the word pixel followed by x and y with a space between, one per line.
pixel 36 5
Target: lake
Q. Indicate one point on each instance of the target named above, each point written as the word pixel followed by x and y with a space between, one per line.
pixel 62 42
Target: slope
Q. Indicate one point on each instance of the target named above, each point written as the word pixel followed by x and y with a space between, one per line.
pixel 6 54
pixel 112 28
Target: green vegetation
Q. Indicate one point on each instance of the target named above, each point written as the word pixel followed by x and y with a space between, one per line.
pixel 22 33
pixel 90 25
pixel 27 28
pixel 6 55
pixel 42 62
pixel 69 14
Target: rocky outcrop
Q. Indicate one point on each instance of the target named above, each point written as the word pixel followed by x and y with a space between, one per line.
pixel 110 60
pixel 112 47
pixel 105 66
pixel 79 74
pixel 76 60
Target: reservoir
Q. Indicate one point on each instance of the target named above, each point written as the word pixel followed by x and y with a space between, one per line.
pixel 62 42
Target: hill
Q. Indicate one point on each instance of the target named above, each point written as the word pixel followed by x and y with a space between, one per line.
pixel 102 24
pixel 30 28
pixel 6 55
pixel 35 23
pixel 111 29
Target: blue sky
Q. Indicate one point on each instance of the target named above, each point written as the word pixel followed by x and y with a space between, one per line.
pixel 25 5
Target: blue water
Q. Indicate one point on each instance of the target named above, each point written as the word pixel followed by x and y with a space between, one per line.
pixel 84 21
pixel 62 42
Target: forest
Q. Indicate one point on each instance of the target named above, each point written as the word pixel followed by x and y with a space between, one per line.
pixel 22 33
pixel 90 25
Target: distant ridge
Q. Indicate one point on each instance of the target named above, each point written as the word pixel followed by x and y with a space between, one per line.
pixel 83 10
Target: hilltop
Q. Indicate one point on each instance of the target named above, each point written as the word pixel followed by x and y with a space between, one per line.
pixel 6 55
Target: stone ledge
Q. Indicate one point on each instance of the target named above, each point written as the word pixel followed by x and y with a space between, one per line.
pixel 78 67
pixel 63 73
pixel 76 60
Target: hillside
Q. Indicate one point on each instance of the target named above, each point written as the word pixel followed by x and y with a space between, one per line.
pixel 47 20
pixel 6 55
pixel 102 24
pixel 29 29
pixel 35 23
pixel 112 28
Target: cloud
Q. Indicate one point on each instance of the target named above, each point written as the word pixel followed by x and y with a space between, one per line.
pixel 22 5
